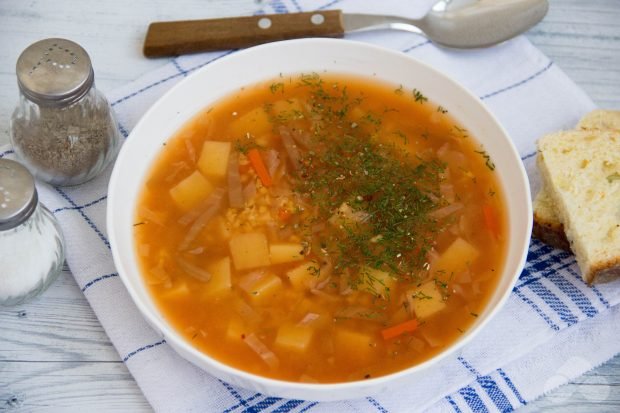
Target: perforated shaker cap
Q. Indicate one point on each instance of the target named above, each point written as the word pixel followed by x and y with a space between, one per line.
pixel 54 72
pixel 18 195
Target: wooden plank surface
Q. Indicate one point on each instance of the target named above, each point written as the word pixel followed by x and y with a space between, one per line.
pixel 54 355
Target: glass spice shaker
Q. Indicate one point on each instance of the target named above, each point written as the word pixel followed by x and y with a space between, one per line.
pixel 31 241
pixel 63 128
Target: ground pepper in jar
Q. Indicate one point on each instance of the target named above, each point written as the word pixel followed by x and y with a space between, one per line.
pixel 63 128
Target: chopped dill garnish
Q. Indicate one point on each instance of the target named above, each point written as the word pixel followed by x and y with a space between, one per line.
pixel 139 223
pixel 418 96
pixel 421 296
pixel 474 314
pixel 244 145
pixel 387 193
pixel 277 86
pixel 488 162
pixel 441 109
pixel 461 131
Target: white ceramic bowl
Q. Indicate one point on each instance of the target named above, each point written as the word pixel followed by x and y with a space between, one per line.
pixel 261 63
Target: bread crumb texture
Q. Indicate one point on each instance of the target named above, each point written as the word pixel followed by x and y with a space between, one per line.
pixel 579 170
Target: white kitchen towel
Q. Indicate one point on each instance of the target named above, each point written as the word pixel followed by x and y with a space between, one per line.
pixel 552 329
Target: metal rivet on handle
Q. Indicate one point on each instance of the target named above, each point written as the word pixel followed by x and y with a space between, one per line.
pixel 264 23
pixel 317 19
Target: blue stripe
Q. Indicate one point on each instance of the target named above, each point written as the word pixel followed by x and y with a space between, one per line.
pixel 329 4
pixel 522 82
pixel 473 400
pixel 424 43
pixel 122 130
pixel 495 393
pixel 575 294
pixel 297 6
pixel 490 387
pixel 288 406
pixel 591 287
pixel 5 153
pixel 539 258
pixel 159 82
pixel 96 280
pixel 468 366
pixel 512 386
pixel 86 218
pixel 453 404
pixel 541 274
pixel 537 309
pixel 279 7
pixel 141 349
pixel 178 66
pixel 96 201
pixel 528 156
pixel 308 407
pixel 554 302
pixel 262 405
pixel 377 405
pixel 242 401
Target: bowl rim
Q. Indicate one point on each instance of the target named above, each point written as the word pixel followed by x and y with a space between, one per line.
pixel 176 339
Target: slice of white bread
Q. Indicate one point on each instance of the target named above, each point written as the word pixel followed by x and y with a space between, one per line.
pixel 547 226
pixel 581 172
pixel 600 119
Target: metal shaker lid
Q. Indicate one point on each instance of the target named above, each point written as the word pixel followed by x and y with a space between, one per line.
pixel 54 72
pixel 18 195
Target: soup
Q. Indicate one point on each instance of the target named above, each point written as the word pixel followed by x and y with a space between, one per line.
pixel 321 228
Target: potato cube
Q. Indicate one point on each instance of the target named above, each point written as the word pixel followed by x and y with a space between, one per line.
pixel 236 329
pixel 255 122
pixel 265 289
pixel 178 290
pixel 354 345
pixel 294 338
pixel 291 109
pixel 213 161
pixel 426 300
pixel 304 275
pixel 456 258
pixel 250 250
pixel 377 282
pixel 191 191
pixel 220 281
pixel 288 252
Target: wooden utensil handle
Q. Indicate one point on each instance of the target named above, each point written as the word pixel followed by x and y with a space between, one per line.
pixel 192 36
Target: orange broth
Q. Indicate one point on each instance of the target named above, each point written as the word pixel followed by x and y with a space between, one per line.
pixel 366 237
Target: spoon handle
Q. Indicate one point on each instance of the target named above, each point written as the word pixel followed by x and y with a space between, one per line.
pixel 193 36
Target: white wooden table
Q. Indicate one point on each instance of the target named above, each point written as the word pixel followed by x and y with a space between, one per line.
pixel 54 355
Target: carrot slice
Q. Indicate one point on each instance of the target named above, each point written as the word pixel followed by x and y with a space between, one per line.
pixel 490 219
pixel 395 331
pixel 259 166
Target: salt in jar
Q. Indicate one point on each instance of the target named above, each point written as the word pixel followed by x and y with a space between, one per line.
pixel 31 242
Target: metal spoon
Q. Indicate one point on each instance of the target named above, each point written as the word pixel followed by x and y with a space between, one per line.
pixel 480 23
pixel 460 24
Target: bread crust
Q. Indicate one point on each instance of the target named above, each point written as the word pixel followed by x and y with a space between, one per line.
pixel 550 233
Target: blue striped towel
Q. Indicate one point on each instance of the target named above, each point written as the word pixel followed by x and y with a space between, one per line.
pixel 552 329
